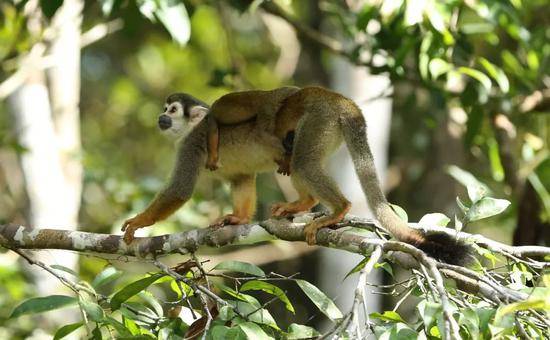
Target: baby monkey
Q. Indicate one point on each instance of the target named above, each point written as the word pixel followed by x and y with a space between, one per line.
pixel 239 107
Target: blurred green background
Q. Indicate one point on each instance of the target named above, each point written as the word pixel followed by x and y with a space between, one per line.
pixel 470 87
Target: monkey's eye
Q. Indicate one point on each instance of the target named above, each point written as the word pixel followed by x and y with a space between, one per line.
pixel 173 109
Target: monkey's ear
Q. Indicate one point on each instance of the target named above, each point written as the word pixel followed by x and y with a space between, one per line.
pixel 197 113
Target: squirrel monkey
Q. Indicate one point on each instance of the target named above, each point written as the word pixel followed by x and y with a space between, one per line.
pixel 310 123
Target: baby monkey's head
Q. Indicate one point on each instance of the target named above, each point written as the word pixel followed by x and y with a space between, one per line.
pixel 181 114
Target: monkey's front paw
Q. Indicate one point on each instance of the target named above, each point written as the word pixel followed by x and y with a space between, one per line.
pixel 131 225
pixel 310 232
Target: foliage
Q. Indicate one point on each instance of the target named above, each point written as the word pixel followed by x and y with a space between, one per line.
pixel 475 64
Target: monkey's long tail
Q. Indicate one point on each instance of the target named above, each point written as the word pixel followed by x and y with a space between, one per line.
pixel 439 246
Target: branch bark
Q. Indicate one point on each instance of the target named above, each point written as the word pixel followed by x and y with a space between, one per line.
pixel 20 237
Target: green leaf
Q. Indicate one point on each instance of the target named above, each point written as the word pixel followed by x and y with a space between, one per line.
pixel 65 269
pixel 496 73
pixel 486 207
pixel 151 301
pixel 241 267
pixel 320 300
pixel 400 212
pixel 538 304
pixel 429 311
pixel 226 313
pixel 389 316
pixel 43 304
pixel 243 297
pixel 106 276
pixel 132 289
pixel 92 309
pixel 119 327
pixel 434 219
pixel 253 331
pixel 477 75
pixel 438 66
pixel 254 313
pixel 296 331
pixel 463 207
pixel 174 18
pixel 66 330
pixel 384 265
pixel 357 268
pixel 494 158
pixel 270 289
pixel 476 189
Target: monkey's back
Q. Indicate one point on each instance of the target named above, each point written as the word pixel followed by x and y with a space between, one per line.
pixel 238 107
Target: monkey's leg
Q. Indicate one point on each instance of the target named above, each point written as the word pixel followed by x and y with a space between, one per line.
pixel 308 158
pixel 213 143
pixel 243 191
pixel 304 203
pixel 161 207
pixel 325 189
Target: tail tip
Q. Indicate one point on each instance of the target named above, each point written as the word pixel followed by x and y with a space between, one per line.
pixel 445 248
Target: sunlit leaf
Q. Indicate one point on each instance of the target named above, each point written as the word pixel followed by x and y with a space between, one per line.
pixel 132 289
pixel 496 73
pixel 173 16
pixel 400 212
pixel 438 66
pixel 254 313
pixel 477 75
pixel 320 300
pixel 296 331
pixel 241 267
pixel 270 289
pixel 106 276
pixel 92 309
pixel 253 331
pixel 43 304
pixel 476 189
pixel 65 269
pixel 434 219
pixel 388 316
pixel 66 330
pixel 486 207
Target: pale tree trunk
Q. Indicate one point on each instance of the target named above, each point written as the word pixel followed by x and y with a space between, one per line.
pixel 355 83
pixel 48 126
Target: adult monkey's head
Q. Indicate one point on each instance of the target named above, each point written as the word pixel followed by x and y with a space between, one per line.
pixel 182 112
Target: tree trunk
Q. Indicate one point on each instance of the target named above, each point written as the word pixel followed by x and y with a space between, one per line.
pixel 48 126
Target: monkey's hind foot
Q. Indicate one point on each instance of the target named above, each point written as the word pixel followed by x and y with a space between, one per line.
pixel 229 219
pixel 310 230
pixel 284 209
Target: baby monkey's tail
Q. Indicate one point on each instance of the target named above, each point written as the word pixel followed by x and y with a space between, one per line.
pixel 440 246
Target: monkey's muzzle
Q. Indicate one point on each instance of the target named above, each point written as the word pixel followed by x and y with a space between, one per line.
pixel 164 122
